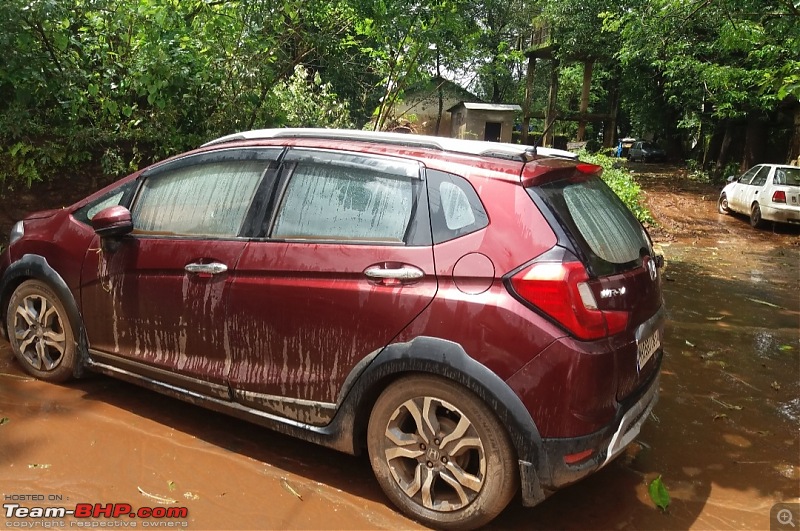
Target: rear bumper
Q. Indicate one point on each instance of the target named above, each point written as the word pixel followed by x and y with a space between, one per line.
pixel 605 444
pixel 786 214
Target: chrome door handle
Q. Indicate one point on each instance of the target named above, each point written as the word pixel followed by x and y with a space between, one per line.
pixel 401 273
pixel 214 268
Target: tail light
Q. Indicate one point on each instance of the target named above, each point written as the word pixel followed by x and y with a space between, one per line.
pixel 779 196
pixel 561 290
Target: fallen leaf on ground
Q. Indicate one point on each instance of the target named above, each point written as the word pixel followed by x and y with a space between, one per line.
pixel 289 488
pixel 720 416
pixel 690 344
pixel 191 496
pixel 776 386
pixel 171 485
pixel 37 465
pixel 784 348
pixel 4 420
pixel 765 303
pixel 156 497
pixel 659 494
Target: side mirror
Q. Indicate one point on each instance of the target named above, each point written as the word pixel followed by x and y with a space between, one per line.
pixel 112 222
pixel 732 178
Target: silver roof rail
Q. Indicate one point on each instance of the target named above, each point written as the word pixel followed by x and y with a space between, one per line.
pixel 469 147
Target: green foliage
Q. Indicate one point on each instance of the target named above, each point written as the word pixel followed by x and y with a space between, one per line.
pixel 621 182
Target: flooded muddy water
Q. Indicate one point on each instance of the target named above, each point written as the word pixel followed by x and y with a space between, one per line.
pixel 724 437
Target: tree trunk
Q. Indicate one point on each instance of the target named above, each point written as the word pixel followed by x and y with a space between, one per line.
pixel 439 91
pixel 714 145
pixel 610 126
pixel 550 116
pixel 528 101
pixel 588 66
pixel 722 158
pixel 755 137
pixel 794 146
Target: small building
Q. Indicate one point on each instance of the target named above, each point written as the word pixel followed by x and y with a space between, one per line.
pixel 419 110
pixel 483 121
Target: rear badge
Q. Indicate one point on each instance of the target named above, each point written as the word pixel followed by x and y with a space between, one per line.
pixel 612 292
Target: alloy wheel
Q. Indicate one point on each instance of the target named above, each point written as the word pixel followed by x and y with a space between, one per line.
pixel 435 454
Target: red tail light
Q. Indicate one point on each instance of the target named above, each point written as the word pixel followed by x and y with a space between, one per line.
pixel 779 196
pixel 561 290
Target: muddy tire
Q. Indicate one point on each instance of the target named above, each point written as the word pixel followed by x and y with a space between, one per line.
pixel 40 332
pixel 722 205
pixel 440 454
pixel 755 216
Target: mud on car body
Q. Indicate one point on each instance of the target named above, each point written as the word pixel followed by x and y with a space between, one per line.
pixel 480 318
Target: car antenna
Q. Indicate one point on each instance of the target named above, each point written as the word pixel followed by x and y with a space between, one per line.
pixel 541 137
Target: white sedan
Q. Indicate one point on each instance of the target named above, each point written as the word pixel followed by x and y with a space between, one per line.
pixel 767 192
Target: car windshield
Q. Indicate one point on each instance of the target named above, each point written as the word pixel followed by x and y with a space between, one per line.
pixel 648 145
pixel 787 176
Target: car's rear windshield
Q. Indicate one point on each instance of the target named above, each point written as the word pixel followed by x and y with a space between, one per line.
pixel 604 229
pixel 787 176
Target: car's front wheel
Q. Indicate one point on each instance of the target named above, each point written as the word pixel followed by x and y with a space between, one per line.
pixel 755 216
pixel 40 332
pixel 440 454
pixel 722 205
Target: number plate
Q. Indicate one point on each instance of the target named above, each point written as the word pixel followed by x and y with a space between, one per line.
pixel 646 348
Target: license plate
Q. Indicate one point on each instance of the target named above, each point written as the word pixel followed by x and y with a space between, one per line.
pixel 646 348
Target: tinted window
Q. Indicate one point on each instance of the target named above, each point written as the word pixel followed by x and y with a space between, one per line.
pixel 207 199
pixel 607 231
pixel 342 197
pixel 455 207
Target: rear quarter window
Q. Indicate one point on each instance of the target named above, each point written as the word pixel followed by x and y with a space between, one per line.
pixel 456 209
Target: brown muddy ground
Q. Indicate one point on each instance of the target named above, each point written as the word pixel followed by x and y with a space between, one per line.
pixel 724 436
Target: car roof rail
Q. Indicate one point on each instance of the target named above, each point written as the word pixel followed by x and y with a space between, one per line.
pixel 456 145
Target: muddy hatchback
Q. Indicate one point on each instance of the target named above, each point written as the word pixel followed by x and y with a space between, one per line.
pixel 482 319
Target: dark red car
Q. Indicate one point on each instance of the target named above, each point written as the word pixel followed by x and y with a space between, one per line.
pixel 481 318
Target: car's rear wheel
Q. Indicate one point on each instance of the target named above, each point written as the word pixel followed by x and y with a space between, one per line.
pixel 440 454
pixel 722 205
pixel 40 332
pixel 755 216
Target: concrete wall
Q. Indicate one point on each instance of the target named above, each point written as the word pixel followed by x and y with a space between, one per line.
pixel 472 123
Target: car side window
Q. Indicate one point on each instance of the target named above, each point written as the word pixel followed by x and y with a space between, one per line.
pixel 761 177
pixel 199 197
pixel 456 209
pixel 112 198
pixel 749 174
pixel 343 197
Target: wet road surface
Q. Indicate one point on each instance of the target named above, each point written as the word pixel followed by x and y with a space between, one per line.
pixel 725 436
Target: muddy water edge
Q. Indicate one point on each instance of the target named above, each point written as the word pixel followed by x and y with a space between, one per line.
pixel 725 436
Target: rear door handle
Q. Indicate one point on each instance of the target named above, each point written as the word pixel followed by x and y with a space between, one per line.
pixel 214 268
pixel 404 273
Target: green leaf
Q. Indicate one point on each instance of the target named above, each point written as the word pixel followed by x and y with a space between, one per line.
pixel 659 494
pixel 171 485
pixel 4 420
pixel 785 348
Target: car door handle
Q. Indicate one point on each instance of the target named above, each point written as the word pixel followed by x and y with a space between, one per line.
pixel 214 268
pixel 400 273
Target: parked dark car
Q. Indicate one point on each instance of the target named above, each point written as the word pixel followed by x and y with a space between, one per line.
pixel 482 319
pixel 646 152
